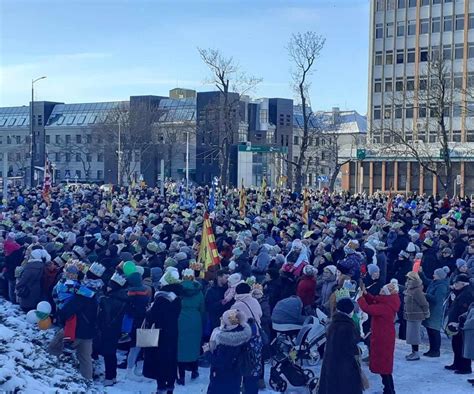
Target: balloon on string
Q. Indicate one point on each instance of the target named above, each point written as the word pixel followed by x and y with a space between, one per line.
pixel 44 324
pixel 444 221
pixel 457 215
pixel 413 204
pixel 44 307
pixel 32 318
pixel 129 268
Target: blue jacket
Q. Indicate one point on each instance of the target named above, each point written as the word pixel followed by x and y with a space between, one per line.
pixel 436 293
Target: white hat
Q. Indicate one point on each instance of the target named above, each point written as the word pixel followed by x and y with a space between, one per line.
pixel 170 276
pixel 234 279
pixel 331 268
pixel 411 248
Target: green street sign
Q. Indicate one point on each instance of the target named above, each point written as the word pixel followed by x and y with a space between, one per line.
pixel 263 149
pixel 361 154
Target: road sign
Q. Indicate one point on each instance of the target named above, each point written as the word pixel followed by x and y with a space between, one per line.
pixel 361 154
pixel 263 149
pixel 323 178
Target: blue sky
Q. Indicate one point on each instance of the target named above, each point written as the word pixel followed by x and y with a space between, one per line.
pixel 100 50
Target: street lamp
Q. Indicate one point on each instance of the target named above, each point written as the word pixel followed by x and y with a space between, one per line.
pixel 33 139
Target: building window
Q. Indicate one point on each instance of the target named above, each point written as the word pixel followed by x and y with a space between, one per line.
pixel 458 81
pixel 399 84
pixel 425 2
pixel 40 120
pixel 471 21
pixel 401 3
pixel 296 140
pixel 390 5
pixel 458 51
pixel 424 26
pixel 398 111
pixel 470 50
pixel 456 135
pixel 411 55
pixel 9 140
pixel 100 157
pixel 410 84
pixel 57 157
pixel 47 138
pixel 378 85
pixel 460 22
pixel 387 113
pixel 88 157
pixel 400 29
pixel 380 5
pixel 68 139
pixel 436 25
pixel 57 139
pixel 70 120
pixel 377 112
pixel 447 52
pixel 411 3
pixel 389 57
pixel 89 138
pixel 448 23
pixel 423 83
pixel 388 84
pixel 400 56
pixel 470 80
pixel 424 54
pixel 100 174
pixel 457 110
pixel 378 58
pixel 57 175
pixel 78 157
pixel 68 157
pixel 435 52
pixel 409 112
pixel 78 174
pixel 422 111
pixel 18 139
pixel 78 138
pixel 389 30
pixel 379 30
pixel 435 2
pixel 411 28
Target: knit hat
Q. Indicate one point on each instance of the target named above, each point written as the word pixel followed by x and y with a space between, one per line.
pixel 152 247
pixel 413 275
pixel 180 256
pixel 331 268
pixel 170 262
pixel 373 269
pixel 460 263
pixel 97 269
pixel 170 277
pixel 462 278
pixel 156 273
pixel 345 305
pixel 234 279
pixel 442 273
pixel 187 274
pixel 309 270
pixel 390 288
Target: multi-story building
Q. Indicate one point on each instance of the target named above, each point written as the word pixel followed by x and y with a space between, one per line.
pixel 407 38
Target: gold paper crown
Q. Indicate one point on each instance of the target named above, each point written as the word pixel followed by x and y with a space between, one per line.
pixel 342 293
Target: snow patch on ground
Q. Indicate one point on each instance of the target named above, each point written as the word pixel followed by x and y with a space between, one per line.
pixel 26 366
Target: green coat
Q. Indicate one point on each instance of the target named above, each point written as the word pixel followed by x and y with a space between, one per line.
pixel 190 322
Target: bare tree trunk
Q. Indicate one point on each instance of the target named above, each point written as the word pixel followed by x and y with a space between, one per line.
pixel 332 179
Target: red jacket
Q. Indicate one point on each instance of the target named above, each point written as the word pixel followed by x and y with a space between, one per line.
pixel 382 310
pixel 306 290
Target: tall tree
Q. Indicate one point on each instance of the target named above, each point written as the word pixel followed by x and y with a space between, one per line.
pixel 304 50
pixel 228 78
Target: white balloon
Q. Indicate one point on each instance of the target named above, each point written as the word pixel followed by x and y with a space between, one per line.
pixel 44 307
pixel 127 210
pixel 31 317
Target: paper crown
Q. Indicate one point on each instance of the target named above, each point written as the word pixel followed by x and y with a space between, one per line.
pixel 342 293
pixel 97 269
pixel 119 279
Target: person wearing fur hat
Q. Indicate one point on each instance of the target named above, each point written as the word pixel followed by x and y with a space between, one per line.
pixel 382 309
pixel 111 310
pixel 190 325
pixel 306 288
pixel 416 309
pixel 437 290
pixel 340 371
pixel 225 347
pixel 161 363
pixel 462 296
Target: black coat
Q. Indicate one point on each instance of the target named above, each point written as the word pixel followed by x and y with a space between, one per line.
pixel 112 307
pixel 461 304
pixel 340 372
pixel 12 261
pixel 161 362
pixel 430 262
pixel 85 309
pixel 273 291
pixel 214 307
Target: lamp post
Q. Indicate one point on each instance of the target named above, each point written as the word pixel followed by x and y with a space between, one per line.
pixel 32 132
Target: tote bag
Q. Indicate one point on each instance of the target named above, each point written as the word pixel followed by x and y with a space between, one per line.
pixel 148 337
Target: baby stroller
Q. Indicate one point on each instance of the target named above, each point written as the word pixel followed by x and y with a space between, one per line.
pixel 293 346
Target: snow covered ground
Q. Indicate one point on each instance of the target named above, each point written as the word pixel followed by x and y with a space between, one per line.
pixel 25 366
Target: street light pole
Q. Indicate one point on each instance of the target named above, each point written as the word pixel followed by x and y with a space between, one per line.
pixel 32 132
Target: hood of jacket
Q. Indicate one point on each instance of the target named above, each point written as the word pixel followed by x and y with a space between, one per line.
pixel 392 300
pixel 236 337
pixel 190 288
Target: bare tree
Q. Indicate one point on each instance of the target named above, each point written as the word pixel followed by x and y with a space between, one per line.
pixel 304 49
pixel 228 78
pixel 429 103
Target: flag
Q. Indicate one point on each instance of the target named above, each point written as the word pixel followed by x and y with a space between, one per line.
pixel 110 208
pixel 208 255
pixel 305 210
pixel 133 201
pixel 242 201
pixel 275 216
pixel 388 216
pixel 47 180
pixel 264 187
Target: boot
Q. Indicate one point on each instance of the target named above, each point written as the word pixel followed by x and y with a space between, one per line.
pixel 131 375
pixel 194 375
pixel 432 353
pixel 109 382
pixel 451 367
pixel 414 356
pixel 470 381
pixel 261 384
pixel 180 381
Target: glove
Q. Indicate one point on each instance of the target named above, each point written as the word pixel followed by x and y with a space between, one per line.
pixel 452 329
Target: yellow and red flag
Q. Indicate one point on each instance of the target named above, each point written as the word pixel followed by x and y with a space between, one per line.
pixel 243 201
pixel 208 254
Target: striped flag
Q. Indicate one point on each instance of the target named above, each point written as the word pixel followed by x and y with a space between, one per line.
pixel 47 180
pixel 208 255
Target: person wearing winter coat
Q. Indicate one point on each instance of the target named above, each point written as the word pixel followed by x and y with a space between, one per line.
pixel 340 372
pixel 383 310
pixel 190 324
pixel 329 282
pixel 468 336
pixel 161 363
pixel 215 303
pixel 245 303
pixel 463 295
pixel 437 291
pixel 112 307
pixel 13 257
pixel 416 309
pixel 306 288
pixel 28 287
pixel 225 348
pixel 351 264
pixel 272 287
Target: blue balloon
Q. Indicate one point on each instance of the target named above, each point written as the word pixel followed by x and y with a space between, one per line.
pixel 406 206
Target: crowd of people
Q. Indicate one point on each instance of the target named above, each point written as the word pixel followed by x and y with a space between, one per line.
pixel 115 262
